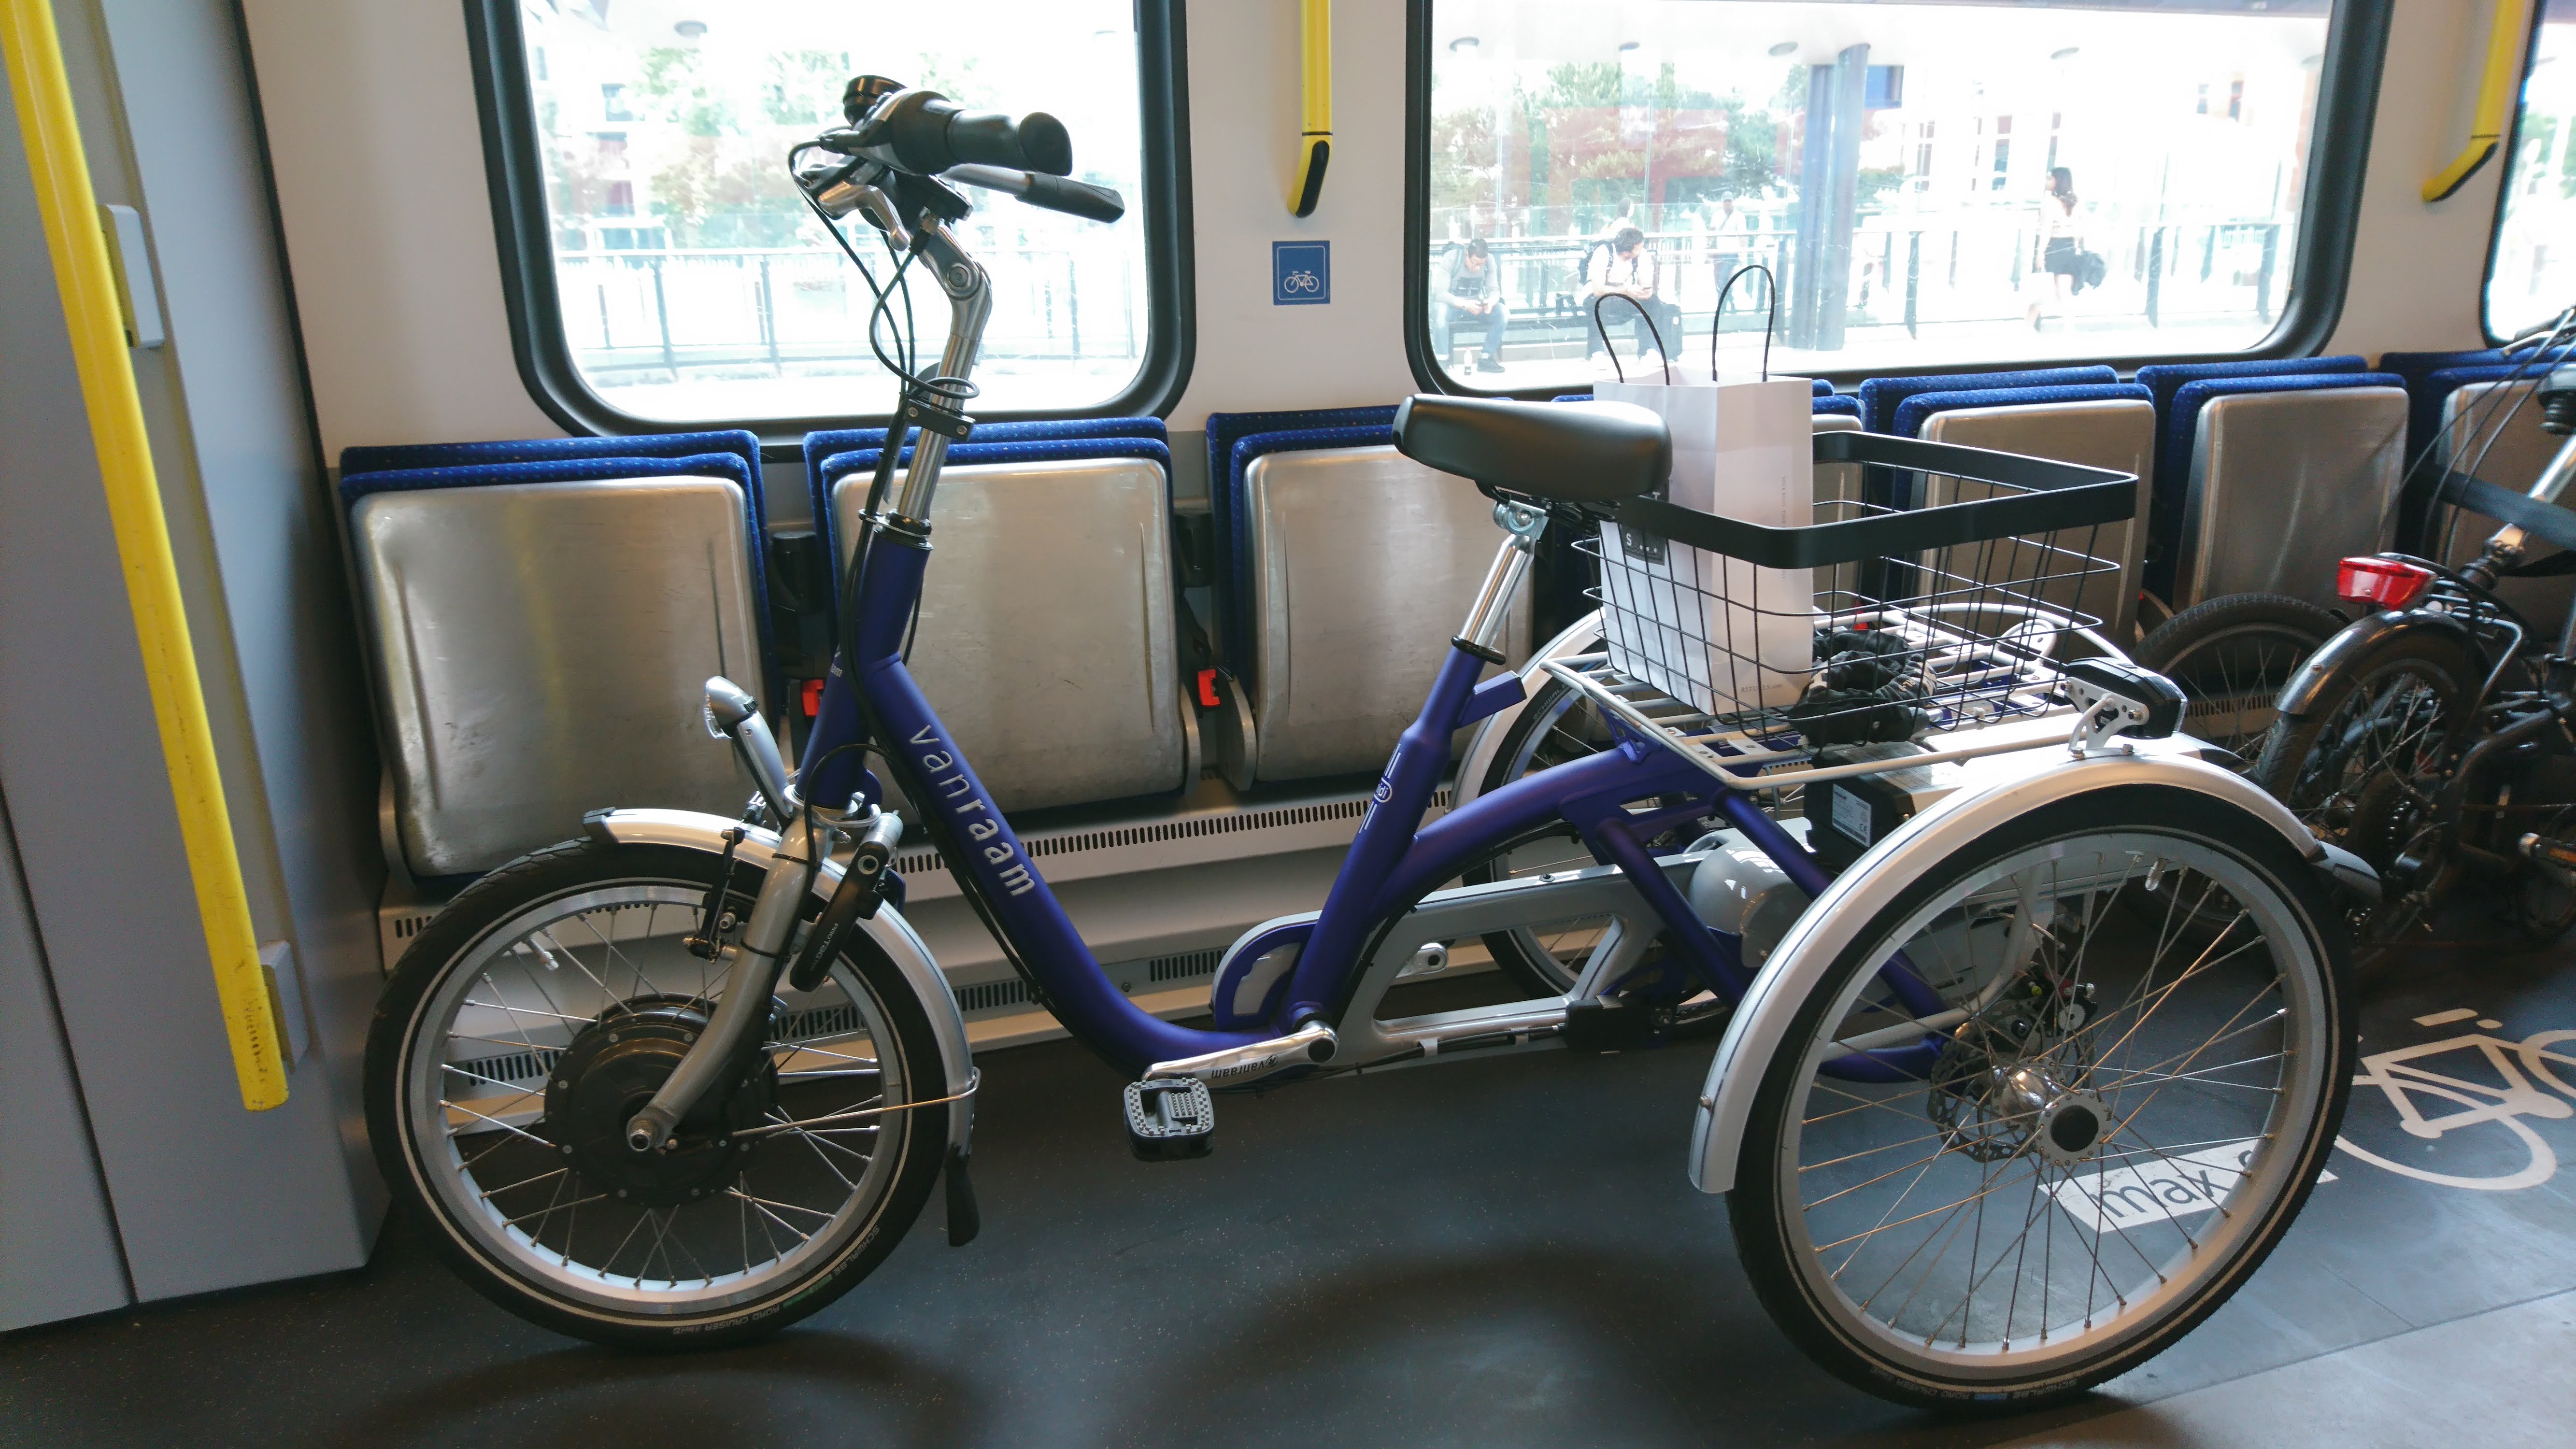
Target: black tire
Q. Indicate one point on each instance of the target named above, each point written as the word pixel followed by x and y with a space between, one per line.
pixel 2231 655
pixel 2264 1199
pixel 579 869
pixel 2389 711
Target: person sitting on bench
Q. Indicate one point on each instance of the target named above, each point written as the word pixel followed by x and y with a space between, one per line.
pixel 1474 302
pixel 1624 267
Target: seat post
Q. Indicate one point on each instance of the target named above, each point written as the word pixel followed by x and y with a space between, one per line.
pixel 1521 525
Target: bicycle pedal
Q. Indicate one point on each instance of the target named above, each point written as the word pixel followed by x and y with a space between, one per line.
pixel 1170 1118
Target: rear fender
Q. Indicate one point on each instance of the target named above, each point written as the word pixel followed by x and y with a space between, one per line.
pixel 2007 786
pixel 690 830
pixel 2299 696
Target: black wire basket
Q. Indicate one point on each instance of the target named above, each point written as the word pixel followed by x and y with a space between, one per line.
pixel 1938 589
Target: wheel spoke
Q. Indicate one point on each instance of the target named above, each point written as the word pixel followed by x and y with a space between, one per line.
pixel 1937 1237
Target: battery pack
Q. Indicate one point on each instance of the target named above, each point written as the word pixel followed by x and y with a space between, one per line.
pixel 1848 816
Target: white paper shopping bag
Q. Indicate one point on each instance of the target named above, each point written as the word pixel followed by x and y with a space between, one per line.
pixel 1712 631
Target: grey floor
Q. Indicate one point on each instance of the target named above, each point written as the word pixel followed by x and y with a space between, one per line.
pixel 1489 1253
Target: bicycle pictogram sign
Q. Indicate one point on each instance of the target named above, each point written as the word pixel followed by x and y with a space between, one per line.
pixel 2482 1080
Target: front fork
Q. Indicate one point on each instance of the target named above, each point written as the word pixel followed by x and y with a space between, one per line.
pixel 760 957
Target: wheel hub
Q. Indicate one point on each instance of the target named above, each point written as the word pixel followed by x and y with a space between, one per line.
pixel 2066 1127
pixel 1993 1097
pixel 609 1073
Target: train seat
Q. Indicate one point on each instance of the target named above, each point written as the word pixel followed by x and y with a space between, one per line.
pixel 2286 475
pixel 1047 639
pixel 541 630
pixel 823 444
pixel 2172 468
pixel 2482 428
pixel 2115 428
pixel 1352 566
pixel 1881 396
pixel 2431 377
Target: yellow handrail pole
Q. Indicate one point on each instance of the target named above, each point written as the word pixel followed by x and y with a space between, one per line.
pixel 1315 129
pixel 69 211
pixel 2495 98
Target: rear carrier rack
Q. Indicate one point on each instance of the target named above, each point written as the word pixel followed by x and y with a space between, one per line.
pixel 1927 611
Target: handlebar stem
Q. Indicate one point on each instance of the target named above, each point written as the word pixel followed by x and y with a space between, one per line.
pixel 970 304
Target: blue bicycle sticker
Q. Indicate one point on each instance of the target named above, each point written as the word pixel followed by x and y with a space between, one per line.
pixel 1301 273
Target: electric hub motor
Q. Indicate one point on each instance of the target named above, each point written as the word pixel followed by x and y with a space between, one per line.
pixel 612 1070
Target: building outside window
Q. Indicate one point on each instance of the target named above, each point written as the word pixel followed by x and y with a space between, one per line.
pixel 693 284
pixel 1794 113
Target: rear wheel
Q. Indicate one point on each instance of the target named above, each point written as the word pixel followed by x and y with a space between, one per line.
pixel 543 1007
pixel 2230 656
pixel 1557 726
pixel 2365 765
pixel 2102 1143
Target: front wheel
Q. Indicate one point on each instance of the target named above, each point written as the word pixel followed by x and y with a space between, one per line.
pixel 543 1007
pixel 2230 656
pixel 2102 1140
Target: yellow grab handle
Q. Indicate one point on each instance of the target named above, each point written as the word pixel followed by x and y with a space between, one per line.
pixel 88 285
pixel 1315 130
pixel 2495 97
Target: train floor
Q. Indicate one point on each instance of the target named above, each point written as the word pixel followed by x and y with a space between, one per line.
pixel 1492 1253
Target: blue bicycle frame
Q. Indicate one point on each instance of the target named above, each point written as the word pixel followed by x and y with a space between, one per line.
pixel 1393 862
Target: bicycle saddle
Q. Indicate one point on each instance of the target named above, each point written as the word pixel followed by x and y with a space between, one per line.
pixel 1567 452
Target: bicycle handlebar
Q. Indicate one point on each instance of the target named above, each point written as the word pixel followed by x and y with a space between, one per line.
pixel 929 133
pixel 1052 193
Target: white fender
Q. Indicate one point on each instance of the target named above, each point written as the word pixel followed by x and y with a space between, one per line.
pixel 1996 789
pixel 690 830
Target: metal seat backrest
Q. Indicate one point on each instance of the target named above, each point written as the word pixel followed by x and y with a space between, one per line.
pixel 2112 432
pixel 2288 475
pixel 1227 463
pixel 2482 428
pixel 542 632
pixel 1362 564
pixel 1047 639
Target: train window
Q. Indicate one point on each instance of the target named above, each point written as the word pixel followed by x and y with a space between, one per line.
pixel 1926 183
pixel 2533 269
pixel 668 273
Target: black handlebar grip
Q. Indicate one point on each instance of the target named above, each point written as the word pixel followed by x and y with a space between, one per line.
pixel 1075 198
pixel 931 133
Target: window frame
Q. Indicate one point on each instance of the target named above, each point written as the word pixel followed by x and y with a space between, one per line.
pixel 2347 109
pixel 515 171
pixel 2508 148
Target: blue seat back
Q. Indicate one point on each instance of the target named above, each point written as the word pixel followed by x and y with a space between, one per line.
pixel 1880 396
pixel 1225 500
pixel 2429 393
pixel 1907 422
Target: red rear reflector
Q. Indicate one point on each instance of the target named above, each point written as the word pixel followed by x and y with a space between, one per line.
pixel 2381 582
pixel 813 698
pixel 1207 689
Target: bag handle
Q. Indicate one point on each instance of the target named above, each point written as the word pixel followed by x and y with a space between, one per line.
pixel 1717 324
pixel 1651 329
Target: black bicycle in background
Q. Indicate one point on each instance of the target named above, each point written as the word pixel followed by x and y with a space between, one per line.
pixel 2432 736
